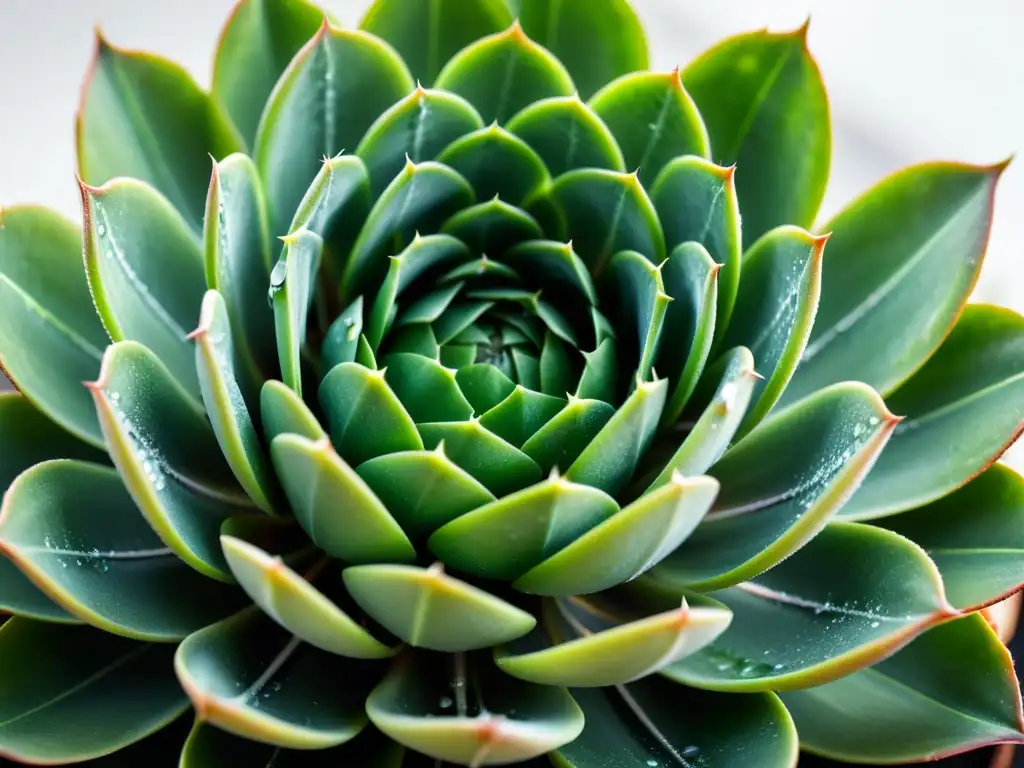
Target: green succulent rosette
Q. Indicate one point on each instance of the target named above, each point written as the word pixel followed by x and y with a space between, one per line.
pixel 455 419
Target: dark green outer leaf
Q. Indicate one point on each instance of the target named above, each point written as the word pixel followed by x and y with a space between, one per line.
pixel 496 162
pixel 504 73
pixel 765 107
pixel 50 337
pixel 975 536
pixel 962 410
pixel 596 42
pixel 89 692
pixel 917 705
pixel 901 264
pixel 319 109
pixel 427 33
pixel 143 117
pixel 254 49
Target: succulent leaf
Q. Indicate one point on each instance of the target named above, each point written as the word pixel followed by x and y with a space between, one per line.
pixel 567 135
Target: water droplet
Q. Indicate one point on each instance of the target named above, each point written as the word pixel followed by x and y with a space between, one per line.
pixel 109 253
pixel 101 230
pixel 445 702
pixel 873 421
pixel 277 278
pixel 691 751
pixel 874 624
pixel 653 763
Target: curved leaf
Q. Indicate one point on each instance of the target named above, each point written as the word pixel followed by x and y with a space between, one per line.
pixel 602 212
pixel 637 303
pixel 167 455
pixel 365 417
pixel 427 608
pixel 341 342
pixel 250 678
pixel 775 309
pixel 518 417
pixel 496 162
pixel 226 407
pixel 917 706
pixel 781 485
pixel 319 108
pixel 567 135
pixel 497 464
pixel 143 117
pixel 467 712
pixel 415 129
pixel 627 544
pixel 295 604
pixel 484 385
pixel 284 412
pixel 109 693
pixel 237 253
pixel 764 104
pixel 546 263
pixel 853 596
pixel 334 506
pixel 504 73
pixel 419 199
pixel 427 33
pixel 254 48
pixel 902 262
pixel 292 289
pixel 423 490
pixel 653 119
pixel 640 724
pixel 507 537
pixel 567 434
pixel 597 43
pixel 962 411
pixel 491 228
pixel 118 576
pixel 696 202
pixel 427 389
pixel 48 316
pixel 145 271
pixel 600 377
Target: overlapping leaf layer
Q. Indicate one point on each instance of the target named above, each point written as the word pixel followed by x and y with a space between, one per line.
pixel 454 418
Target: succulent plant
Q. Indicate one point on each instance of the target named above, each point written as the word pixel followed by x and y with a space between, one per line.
pixel 498 439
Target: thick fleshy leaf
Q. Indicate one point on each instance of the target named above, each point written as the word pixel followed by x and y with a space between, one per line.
pixel 640 724
pixel 600 375
pixel 427 608
pixel 975 536
pixel 292 289
pixel 775 309
pixel 366 419
pixel 567 135
pixel 167 455
pixel 427 389
pixel 496 162
pixel 901 264
pixel 247 676
pixel 255 46
pixel 415 129
pixel 653 119
pixel 518 417
pixel 691 279
pixel 696 202
pixel 484 385
pixel 145 271
pixel 341 343
pixel 508 537
pixel 597 43
pixel 297 605
pixel 427 33
pixel 917 705
pixel 711 435
pixel 563 438
pixel 237 251
pixel 781 485
pixel 118 576
pixel 491 228
pixel 334 506
pixel 593 650
pixel 852 596
pixel 764 104
pixel 609 460
pixel 143 117
pixel 627 544
pixel 50 337
pixel 419 199
pixel 504 73
pixel 226 407
pixel 423 490
pixel 105 694
pixel 602 212
pixel 549 264
pixel 637 303
pixel 320 108
pixel 284 412
pixel 962 411
pixel 466 711
pixel 497 464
